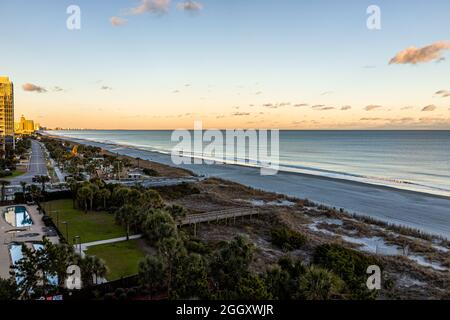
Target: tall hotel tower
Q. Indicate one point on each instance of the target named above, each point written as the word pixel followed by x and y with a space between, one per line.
pixel 6 114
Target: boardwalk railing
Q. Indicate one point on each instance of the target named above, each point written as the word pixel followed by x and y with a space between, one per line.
pixel 217 216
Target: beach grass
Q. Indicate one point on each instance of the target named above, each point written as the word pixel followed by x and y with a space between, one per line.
pixel 121 258
pixel 92 226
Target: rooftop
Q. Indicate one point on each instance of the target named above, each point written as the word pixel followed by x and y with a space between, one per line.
pixel 5 80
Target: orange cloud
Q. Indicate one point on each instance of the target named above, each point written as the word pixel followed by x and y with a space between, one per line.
pixel 117 21
pixel 29 87
pixel 415 55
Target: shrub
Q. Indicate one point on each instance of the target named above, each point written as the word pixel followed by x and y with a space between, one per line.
pixel 319 284
pixel 109 296
pixel 118 292
pixel 131 293
pixel 197 246
pixel 5 173
pixel 19 197
pixel 47 220
pixel 287 239
pixel 349 265
pixel 178 191
pixel 279 283
pixel 150 172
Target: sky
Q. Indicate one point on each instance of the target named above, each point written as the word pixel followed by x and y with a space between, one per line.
pixel 286 64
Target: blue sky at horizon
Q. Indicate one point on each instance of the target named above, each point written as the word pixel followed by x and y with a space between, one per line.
pixel 223 63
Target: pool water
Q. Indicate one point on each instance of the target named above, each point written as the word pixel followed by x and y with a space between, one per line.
pixel 18 217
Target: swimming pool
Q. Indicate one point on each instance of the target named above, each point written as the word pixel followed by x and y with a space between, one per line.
pixel 18 216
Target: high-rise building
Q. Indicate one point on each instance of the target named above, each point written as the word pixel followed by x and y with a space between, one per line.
pixel 24 126
pixel 6 112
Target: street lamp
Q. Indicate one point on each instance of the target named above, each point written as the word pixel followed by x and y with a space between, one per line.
pixel 57 219
pixel 78 240
pixel 118 168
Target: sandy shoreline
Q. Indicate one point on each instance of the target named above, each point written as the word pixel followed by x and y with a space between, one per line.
pixel 428 213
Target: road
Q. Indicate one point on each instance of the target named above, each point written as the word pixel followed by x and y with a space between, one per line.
pixel 36 166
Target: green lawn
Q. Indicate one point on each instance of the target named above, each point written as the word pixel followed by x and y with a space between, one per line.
pixel 16 173
pixel 90 227
pixel 122 258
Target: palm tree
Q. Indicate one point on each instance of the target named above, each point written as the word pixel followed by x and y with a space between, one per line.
pixel 151 199
pixel 94 189
pixel 84 194
pixel 99 268
pixel 139 162
pixel 24 187
pixel 177 212
pixel 120 195
pixel 126 215
pixel 104 194
pixel 34 191
pixel 152 272
pixel 4 183
pixel 319 284
pixel 74 186
pixel 169 248
pixel 42 180
pixel 93 266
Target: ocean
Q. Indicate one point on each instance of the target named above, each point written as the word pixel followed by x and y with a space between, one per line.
pixel 409 160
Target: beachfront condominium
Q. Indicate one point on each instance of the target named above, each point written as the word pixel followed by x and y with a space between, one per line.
pixel 25 126
pixel 6 114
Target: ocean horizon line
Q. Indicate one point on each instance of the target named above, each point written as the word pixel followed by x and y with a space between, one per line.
pixel 250 128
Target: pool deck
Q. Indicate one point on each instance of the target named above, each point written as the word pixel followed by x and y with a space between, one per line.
pixel 7 238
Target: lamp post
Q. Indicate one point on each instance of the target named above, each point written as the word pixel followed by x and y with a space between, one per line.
pixel 118 169
pixel 77 239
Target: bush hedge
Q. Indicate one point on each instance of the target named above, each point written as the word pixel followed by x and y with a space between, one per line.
pixel 287 239
pixel 350 265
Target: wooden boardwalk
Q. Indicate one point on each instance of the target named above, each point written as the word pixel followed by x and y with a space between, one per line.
pixel 216 216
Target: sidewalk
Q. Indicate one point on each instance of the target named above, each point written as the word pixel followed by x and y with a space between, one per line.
pixel 85 246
